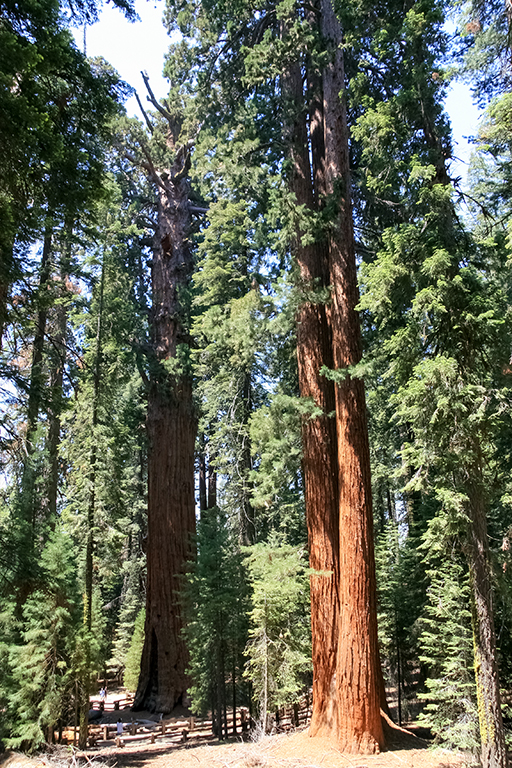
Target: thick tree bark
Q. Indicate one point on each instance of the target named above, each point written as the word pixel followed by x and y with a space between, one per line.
pixel 492 737
pixel 348 683
pixel 358 674
pixel 171 429
pixel 319 433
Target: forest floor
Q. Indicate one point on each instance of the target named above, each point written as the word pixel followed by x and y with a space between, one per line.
pixel 294 749
pixel 291 750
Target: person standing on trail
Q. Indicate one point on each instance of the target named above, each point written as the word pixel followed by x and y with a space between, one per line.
pixel 119 727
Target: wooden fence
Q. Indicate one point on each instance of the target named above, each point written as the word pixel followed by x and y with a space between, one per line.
pixel 179 731
pixel 112 706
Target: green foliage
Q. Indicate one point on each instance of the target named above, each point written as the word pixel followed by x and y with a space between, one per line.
pixel 446 643
pixel 277 488
pixel 279 647
pixel 42 665
pixel 401 586
pixel 134 652
pixel 216 604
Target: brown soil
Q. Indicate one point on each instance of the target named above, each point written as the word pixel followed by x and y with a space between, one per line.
pixel 292 750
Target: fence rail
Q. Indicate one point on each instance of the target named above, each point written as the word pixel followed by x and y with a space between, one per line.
pixel 181 730
pixel 112 706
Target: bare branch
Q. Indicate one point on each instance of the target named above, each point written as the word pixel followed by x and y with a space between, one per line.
pixel 145 114
pixel 135 161
pixel 153 100
pixel 151 168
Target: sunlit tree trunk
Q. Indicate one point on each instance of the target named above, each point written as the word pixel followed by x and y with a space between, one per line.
pixel 358 672
pixel 314 349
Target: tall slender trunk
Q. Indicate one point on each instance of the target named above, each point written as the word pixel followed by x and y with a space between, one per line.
pixel 212 483
pixel 248 515
pixel 91 507
pixel 203 498
pixel 171 429
pixel 6 277
pixel 36 387
pixel 58 356
pixel 314 349
pixel 358 674
pixel 492 737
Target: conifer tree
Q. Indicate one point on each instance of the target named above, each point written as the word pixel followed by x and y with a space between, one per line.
pixel 447 649
pixel 132 657
pixel 267 46
pixel 278 650
pixel 216 600
pixel 435 305
pixel 42 667
pixel 171 421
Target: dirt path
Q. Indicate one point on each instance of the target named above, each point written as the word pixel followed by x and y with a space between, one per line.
pixel 293 750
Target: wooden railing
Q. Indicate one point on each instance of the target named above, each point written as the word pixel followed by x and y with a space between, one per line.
pixel 179 731
pixel 112 706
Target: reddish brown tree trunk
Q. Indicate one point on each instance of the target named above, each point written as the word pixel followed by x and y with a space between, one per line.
pixel 358 674
pixel 171 429
pixel 348 683
pixel 318 433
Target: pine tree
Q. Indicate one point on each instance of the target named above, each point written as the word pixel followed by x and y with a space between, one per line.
pixel 216 603
pixel 278 650
pixel 42 674
pixel 446 643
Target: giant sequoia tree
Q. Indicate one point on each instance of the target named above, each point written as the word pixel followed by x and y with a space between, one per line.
pixel 280 44
pixel 443 313
pixel 170 422
pixel 336 452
